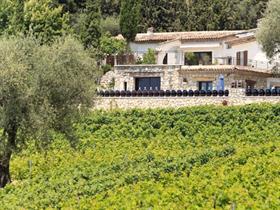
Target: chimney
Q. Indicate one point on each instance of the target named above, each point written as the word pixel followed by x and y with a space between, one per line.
pixel 150 31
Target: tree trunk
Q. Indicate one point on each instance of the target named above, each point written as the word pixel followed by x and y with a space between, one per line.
pixel 5 176
pixel 5 155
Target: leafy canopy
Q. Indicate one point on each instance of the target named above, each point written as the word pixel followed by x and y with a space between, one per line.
pixel 42 19
pixel 129 18
pixel 149 57
pixel 42 87
pixel 111 46
pixel 269 30
pixel 91 29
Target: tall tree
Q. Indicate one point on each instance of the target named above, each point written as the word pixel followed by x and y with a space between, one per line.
pixel 91 30
pixel 16 23
pixel 71 6
pixel 5 14
pixel 129 18
pixel 42 87
pixel 224 14
pixel 269 30
pixel 43 19
pixel 163 15
pixel 110 8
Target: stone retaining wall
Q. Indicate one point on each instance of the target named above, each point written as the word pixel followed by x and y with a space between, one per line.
pixel 176 102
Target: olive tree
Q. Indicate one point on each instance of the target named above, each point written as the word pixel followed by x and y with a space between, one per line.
pixel 269 29
pixel 43 88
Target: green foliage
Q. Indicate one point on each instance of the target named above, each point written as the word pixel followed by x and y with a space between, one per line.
pixel 149 57
pixel 110 8
pixel 42 87
pixel 91 30
pixel 111 25
pixel 269 31
pixel 5 13
pixel 199 15
pixel 190 158
pixel 163 15
pixel 190 58
pixel 129 18
pixel 224 14
pixel 106 68
pixel 16 22
pixel 44 21
pixel 111 46
pixel 41 19
pixel 71 6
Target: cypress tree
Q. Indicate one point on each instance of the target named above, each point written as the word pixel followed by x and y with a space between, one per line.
pixel 91 30
pixel 129 18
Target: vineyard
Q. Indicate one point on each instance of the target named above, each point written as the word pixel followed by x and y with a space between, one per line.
pixel 190 158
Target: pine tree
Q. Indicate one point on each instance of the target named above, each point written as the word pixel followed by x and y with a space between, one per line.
pixel 91 30
pixel 129 18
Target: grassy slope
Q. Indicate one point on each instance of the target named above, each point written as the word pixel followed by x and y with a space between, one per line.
pixel 194 158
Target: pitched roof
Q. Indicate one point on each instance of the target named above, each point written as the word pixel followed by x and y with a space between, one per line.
pixel 190 35
pixel 240 40
pixel 226 68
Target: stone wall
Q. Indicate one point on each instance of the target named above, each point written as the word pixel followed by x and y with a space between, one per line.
pixel 187 77
pixel 167 73
pixel 176 102
pixel 108 80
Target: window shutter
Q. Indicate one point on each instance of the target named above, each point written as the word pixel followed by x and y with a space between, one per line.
pixel 245 58
pixel 238 56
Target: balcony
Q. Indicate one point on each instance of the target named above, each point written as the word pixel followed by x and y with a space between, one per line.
pixel 129 62
pixel 256 64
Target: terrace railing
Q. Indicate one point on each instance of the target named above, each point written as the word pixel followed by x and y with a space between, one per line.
pixel 132 58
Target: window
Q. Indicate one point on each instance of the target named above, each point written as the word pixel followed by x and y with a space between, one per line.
pixel 229 60
pixel 165 60
pixel 242 58
pixel 250 84
pixel 198 58
pixel 205 85
pixel 237 84
pixel 125 86
pixel 147 83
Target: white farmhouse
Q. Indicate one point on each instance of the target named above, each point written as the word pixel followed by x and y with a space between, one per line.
pixel 200 60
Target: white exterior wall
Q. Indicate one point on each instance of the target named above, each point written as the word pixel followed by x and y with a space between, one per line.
pixel 176 51
pixel 256 57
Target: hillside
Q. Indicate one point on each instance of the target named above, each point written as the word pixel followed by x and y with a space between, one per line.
pixel 194 158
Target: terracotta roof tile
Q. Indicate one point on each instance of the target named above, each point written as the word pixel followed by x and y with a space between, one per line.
pixel 225 68
pixel 240 40
pixel 190 35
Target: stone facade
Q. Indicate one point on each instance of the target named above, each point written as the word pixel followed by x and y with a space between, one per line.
pixel 187 77
pixel 177 102
pixel 108 80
